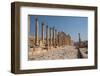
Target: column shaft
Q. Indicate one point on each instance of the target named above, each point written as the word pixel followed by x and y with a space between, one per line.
pixel 50 37
pixel 36 32
pixel 53 37
pixel 47 38
pixel 79 39
pixel 58 39
pixel 42 32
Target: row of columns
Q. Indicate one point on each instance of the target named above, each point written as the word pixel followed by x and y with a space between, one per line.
pixel 53 38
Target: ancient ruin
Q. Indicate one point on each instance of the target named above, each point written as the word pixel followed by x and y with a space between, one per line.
pixel 55 40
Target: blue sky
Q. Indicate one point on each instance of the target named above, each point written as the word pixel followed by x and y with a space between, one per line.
pixel 69 24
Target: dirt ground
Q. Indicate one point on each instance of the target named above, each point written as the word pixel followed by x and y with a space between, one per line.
pixel 65 52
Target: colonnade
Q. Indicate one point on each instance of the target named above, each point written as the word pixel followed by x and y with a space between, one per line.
pixel 54 38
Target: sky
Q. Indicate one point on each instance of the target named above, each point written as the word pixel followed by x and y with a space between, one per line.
pixel 71 25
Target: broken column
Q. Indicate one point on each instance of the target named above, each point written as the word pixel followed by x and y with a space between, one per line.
pixel 79 39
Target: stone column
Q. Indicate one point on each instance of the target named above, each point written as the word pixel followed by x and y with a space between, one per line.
pixel 36 32
pixel 61 39
pixel 43 32
pixel 79 40
pixel 65 40
pixel 47 38
pixel 50 37
pixel 53 37
pixel 70 39
pixel 79 37
pixel 58 39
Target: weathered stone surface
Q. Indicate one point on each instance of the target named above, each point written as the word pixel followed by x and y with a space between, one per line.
pixel 68 52
pixel 56 45
pixel 84 52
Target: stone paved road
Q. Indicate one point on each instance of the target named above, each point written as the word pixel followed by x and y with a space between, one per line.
pixel 68 52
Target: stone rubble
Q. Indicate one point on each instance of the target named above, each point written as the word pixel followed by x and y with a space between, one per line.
pixel 68 52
